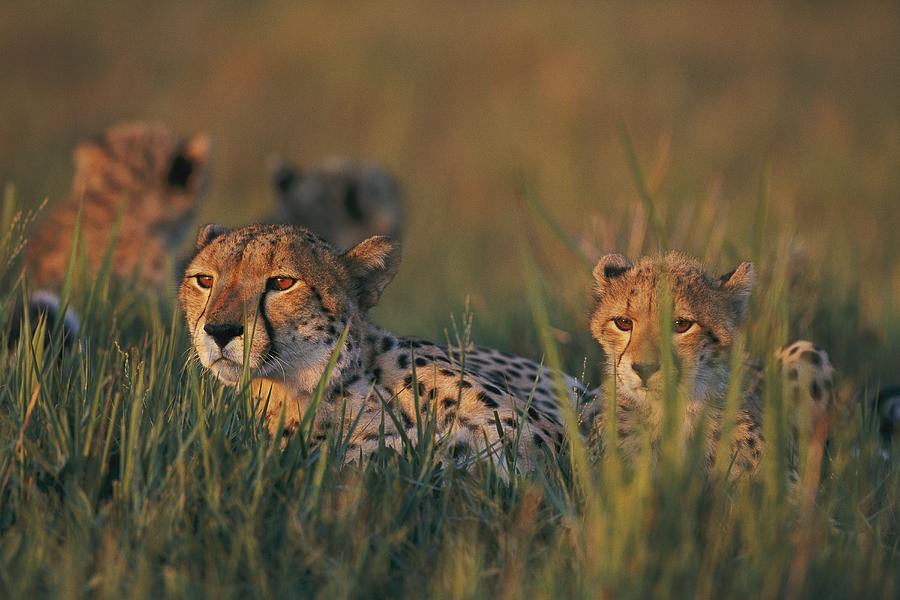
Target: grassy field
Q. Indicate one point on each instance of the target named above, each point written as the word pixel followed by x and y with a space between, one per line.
pixel 768 132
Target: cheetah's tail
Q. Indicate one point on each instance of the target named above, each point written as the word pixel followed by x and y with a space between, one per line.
pixel 46 304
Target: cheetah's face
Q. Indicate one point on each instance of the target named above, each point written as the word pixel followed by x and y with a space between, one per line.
pixel 279 296
pixel 160 174
pixel 342 201
pixel 705 315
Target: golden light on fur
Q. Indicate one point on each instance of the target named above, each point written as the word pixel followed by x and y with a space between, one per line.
pixel 154 176
pixel 710 311
pixel 284 298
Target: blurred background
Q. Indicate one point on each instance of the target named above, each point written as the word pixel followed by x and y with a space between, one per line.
pixel 471 103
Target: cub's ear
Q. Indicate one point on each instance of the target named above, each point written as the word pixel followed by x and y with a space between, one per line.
pixel 208 233
pixel 88 154
pixel 737 285
pixel 609 268
pixel 372 265
pixel 187 166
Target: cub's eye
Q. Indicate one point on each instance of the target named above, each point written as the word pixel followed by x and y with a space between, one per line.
pixel 280 283
pixel 623 323
pixel 682 325
pixel 204 281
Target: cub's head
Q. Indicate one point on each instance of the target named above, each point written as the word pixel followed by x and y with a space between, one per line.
pixel 285 294
pixel 158 173
pixel 342 201
pixel 706 313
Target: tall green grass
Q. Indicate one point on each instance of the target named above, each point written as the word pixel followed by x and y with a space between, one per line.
pixel 126 471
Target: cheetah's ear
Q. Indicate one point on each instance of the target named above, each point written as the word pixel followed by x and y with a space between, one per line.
pixel 89 155
pixel 372 265
pixel 610 267
pixel 208 233
pixel 737 285
pixel 188 164
pixel 284 175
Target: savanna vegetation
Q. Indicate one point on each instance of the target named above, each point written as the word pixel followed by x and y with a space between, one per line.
pixel 532 139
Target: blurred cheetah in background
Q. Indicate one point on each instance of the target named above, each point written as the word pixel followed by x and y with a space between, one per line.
pixel 343 202
pixel 155 177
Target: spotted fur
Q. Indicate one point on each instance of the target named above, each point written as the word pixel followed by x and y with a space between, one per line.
pixel 707 315
pixel 480 400
pixel 342 201
pixel 809 379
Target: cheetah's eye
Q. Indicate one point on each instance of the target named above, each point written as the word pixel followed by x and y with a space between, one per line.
pixel 280 283
pixel 204 281
pixel 682 325
pixel 623 323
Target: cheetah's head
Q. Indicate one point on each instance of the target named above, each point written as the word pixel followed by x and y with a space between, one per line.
pixel 159 174
pixel 342 201
pixel 282 294
pixel 706 312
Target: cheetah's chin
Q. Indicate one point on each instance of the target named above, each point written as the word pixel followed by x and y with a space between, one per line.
pixel 645 395
pixel 226 370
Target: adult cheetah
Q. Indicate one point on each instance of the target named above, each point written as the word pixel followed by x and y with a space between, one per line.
pixel 287 295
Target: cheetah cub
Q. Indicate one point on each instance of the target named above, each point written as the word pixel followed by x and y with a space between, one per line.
pixel 342 201
pixel 158 177
pixel 155 176
pixel 287 295
pixel 707 314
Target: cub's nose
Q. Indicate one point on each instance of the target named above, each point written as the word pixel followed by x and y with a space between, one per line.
pixel 223 332
pixel 645 370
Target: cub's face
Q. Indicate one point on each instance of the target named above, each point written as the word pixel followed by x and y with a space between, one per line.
pixel 341 201
pixel 706 312
pixel 280 294
pixel 159 173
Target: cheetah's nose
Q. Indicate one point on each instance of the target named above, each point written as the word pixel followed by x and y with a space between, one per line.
pixel 223 333
pixel 645 370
